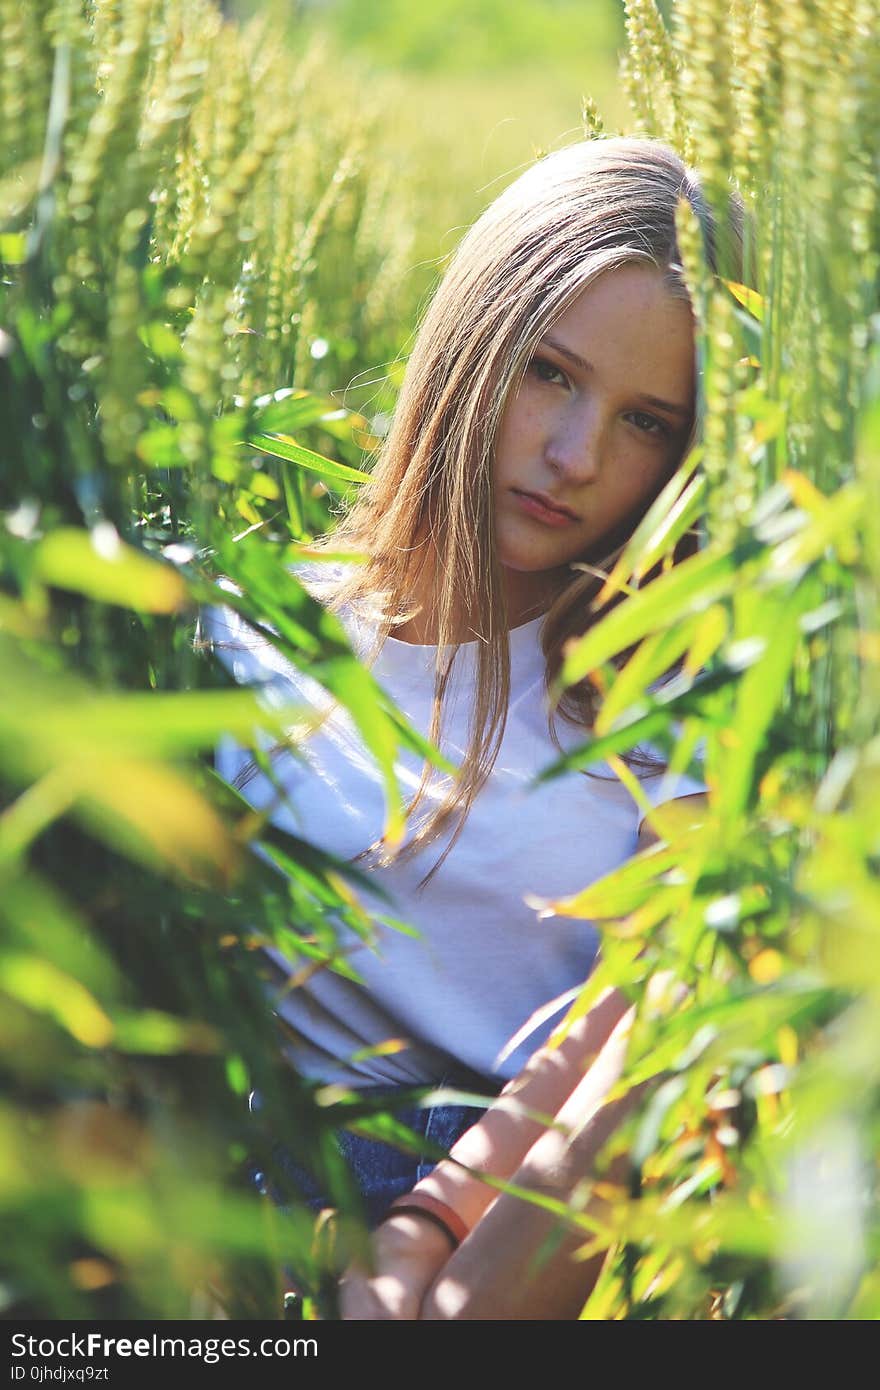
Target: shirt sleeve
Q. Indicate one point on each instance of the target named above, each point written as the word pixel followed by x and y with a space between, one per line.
pixel 253 662
pixel 249 657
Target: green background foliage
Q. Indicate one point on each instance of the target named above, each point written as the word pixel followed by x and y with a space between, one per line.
pixel 466 95
pixel 207 230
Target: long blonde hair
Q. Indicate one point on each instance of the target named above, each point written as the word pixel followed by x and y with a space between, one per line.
pixel 427 512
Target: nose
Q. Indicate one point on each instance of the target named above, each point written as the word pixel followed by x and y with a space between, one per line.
pixel 575 445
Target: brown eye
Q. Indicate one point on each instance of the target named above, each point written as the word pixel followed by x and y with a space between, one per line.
pixel 547 371
pixel 648 424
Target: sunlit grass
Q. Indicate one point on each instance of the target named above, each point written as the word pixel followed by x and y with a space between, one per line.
pixel 202 233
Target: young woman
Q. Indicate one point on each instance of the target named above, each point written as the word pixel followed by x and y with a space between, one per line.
pixel 549 397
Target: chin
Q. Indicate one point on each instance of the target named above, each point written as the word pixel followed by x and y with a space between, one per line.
pixel 530 561
pixel 517 565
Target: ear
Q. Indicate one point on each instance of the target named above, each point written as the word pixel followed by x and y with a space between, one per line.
pixel 681 812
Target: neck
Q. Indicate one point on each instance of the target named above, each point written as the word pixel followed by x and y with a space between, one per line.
pixel 526 596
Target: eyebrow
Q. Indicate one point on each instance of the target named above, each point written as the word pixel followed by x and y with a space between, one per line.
pixel 682 411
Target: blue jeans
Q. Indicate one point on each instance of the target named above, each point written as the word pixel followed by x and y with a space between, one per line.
pixel 381 1171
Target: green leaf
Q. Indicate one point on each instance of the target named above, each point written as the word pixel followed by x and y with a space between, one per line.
pixel 154 1033
pixel 39 920
pixel 280 447
pixel 101 566
pixel 747 1017
pixel 837 521
pixel 13 248
pixel 154 723
pixel 178 403
pixel 289 410
pixel 748 298
pixel 648 662
pixel 162 341
pixel 685 589
pixel 759 695
pixel 674 704
pixel 40 985
pixel 160 447
pixel 263 485
pixel 667 519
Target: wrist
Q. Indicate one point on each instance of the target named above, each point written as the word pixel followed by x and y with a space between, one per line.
pixel 429 1208
pixel 407 1236
pixel 464 1190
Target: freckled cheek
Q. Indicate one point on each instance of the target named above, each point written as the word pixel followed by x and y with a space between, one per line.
pixel 520 428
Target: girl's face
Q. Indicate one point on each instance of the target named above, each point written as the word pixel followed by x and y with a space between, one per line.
pixel 594 431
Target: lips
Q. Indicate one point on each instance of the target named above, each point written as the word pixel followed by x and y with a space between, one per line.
pixel 545 508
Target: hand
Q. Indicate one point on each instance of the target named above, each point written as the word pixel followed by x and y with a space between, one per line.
pixel 408 1254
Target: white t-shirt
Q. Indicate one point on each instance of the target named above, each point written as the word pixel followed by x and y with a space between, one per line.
pixel 484 961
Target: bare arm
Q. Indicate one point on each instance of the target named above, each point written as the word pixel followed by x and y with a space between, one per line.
pixel 410 1252
pixel 506 1231
pixel 499 1142
pixel 498 1272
